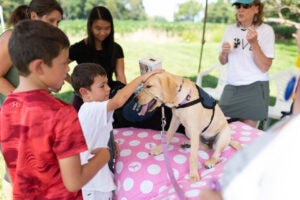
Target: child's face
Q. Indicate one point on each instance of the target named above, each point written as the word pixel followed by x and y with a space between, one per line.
pixel 99 89
pixel 101 29
pixel 54 76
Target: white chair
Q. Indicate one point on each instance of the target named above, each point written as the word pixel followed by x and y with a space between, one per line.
pixel 280 81
pixel 2 19
pixel 221 73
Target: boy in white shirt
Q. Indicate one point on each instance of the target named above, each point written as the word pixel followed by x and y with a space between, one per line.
pixel 89 81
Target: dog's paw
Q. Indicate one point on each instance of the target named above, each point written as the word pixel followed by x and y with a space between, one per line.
pixel 156 150
pixel 186 144
pixel 210 163
pixel 194 176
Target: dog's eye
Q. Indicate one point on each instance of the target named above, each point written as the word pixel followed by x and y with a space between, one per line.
pixel 148 86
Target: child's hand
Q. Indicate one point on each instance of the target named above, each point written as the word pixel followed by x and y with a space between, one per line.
pixel 103 152
pixel 147 75
pixel 117 149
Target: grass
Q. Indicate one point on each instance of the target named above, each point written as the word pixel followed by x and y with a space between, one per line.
pixel 178 55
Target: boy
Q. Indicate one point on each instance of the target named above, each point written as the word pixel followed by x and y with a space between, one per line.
pixel 41 137
pixel 90 82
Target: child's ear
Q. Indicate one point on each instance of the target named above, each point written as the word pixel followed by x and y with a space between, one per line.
pixel 35 66
pixel 83 93
pixel 33 15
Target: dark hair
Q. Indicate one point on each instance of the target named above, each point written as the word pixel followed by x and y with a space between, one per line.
pixel 258 18
pixel 17 15
pixel 35 39
pixel 101 13
pixel 83 75
pixel 41 7
pixel 44 7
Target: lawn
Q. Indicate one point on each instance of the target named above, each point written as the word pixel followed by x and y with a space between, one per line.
pixel 178 56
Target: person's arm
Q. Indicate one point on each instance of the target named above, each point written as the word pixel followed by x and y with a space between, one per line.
pixel 5 64
pixel 262 61
pixel 123 95
pixel 75 175
pixel 120 71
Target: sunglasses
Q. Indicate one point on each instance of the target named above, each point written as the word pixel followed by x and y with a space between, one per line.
pixel 245 6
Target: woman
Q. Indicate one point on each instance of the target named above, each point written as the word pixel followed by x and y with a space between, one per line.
pixel 248 50
pixel 46 10
pixel 99 47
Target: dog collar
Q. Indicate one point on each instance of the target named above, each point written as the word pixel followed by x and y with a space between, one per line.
pixel 186 99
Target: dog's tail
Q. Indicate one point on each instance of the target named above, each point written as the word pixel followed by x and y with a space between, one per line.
pixel 235 144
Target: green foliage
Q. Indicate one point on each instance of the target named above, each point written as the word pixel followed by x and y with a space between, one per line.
pixel 188 11
pixel 283 32
pixel 223 12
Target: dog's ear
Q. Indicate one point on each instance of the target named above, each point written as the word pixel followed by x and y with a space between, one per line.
pixel 169 89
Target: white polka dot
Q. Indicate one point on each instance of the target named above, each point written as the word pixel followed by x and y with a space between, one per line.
pixel 203 155
pixel 232 126
pixel 192 193
pixel 245 133
pixel 120 140
pixel 208 171
pixel 150 145
pixel 119 167
pixel 159 157
pixel 198 184
pixel 184 150
pixel 246 127
pixel 134 143
pixel 162 188
pixel 128 184
pixel 125 152
pixel 175 139
pixel 124 198
pixel 127 133
pixel 146 187
pixel 134 166
pixel 180 159
pixel 170 147
pixel 157 137
pixel 244 139
pixel 154 169
pixel 142 134
pixel 175 173
pixel 142 155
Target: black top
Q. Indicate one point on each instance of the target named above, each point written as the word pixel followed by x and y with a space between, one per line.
pixel 82 54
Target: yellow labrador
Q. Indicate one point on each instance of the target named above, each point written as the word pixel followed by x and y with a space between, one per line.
pixel 204 122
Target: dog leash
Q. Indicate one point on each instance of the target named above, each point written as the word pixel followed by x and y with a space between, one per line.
pixel 167 158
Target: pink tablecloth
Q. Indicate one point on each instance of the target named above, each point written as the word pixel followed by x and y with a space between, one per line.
pixel 140 176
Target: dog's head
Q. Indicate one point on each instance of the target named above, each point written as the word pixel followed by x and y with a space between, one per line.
pixel 159 89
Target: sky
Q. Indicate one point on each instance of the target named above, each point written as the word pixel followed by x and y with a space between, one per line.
pixel 164 8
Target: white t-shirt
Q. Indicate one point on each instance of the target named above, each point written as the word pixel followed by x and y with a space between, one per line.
pixel 96 124
pixel 242 69
pixel 268 169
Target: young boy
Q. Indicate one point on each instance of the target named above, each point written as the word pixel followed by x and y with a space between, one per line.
pixel 90 82
pixel 40 135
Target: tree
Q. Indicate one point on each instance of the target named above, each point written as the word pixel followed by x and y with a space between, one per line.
pixel 221 12
pixel 188 11
pixel 285 12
